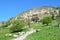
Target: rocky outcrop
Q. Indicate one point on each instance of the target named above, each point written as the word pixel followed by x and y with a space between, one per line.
pixel 1 24
pixel 37 14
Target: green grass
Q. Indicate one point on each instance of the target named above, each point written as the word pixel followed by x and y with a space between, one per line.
pixel 46 33
pixel 4 31
pixel 36 25
pixel 25 30
pixel 51 33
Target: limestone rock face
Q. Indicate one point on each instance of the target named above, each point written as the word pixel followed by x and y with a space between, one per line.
pixel 1 24
pixel 37 13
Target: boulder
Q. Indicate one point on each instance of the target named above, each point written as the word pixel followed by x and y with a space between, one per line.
pixel 22 33
pixel 8 35
pixel 15 36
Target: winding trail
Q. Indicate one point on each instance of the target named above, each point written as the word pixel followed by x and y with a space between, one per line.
pixel 25 35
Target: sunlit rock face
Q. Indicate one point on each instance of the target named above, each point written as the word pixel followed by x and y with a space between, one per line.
pixel 38 13
pixel 1 24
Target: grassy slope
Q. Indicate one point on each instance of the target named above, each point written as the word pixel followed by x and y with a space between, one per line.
pixel 51 33
pixel 4 31
pixel 37 25
pixel 45 33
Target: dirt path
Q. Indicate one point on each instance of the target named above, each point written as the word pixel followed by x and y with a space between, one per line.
pixel 25 35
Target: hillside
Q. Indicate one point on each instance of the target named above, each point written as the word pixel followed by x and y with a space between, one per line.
pixel 1 23
pixel 41 23
pixel 51 33
pixel 38 13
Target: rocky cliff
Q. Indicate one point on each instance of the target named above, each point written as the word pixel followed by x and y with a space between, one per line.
pixel 38 13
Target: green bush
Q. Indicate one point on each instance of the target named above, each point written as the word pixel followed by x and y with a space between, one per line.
pixel 46 20
pixel 17 25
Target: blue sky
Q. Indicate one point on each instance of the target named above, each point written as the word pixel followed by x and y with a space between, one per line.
pixel 11 8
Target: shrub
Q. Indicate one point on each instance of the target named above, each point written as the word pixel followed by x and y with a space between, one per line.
pixel 46 20
pixel 17 25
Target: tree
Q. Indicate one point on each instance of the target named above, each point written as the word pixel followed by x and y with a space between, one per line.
pixel 46 20
pixel 17 25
